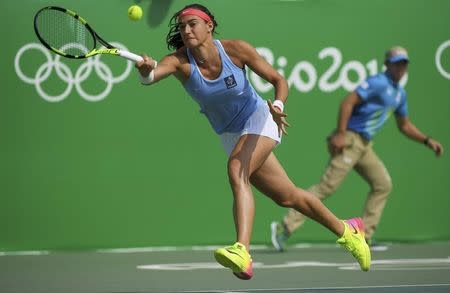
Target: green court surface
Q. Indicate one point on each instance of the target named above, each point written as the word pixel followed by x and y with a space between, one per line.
pixel 303 268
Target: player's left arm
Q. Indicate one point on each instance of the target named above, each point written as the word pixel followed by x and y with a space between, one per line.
pixel 246 55
pixel 410 130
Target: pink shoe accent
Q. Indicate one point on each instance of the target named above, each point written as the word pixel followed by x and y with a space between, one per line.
pixel 247 275
pixel 358 224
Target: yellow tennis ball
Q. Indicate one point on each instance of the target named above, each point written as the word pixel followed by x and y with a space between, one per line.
pixel 135 12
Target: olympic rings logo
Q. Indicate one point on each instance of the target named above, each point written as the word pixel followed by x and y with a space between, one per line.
pixel 64 73
pixel 438 58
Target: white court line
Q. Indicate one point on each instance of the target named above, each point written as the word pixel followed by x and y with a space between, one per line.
pixel 172 248
pixel 162 249
pixel 138 249
pixel 319 288
pixel 405 264
pixel 31 252
pixel 386 264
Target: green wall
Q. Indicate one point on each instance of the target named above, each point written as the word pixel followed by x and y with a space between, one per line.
pixel 92 164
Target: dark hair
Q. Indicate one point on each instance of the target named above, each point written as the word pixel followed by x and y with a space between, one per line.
pixel 173 38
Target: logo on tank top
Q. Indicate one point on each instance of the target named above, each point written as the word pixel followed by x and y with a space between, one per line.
pixel 230 82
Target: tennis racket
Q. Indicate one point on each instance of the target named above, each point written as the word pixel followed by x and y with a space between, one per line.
pixel 67 34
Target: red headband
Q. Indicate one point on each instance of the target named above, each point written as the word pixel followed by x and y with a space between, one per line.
pixel 196 12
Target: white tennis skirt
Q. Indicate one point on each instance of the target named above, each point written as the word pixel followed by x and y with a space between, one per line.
pixel 260 123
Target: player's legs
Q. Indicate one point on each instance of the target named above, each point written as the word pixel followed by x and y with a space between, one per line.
pixel 247 151
pixel 334 174
pixel 250 152
pixel 372 169
pixel 272 180
pixel 248 155
pixel 337 169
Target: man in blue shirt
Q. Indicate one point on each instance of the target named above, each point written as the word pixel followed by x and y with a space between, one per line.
pixel 361 115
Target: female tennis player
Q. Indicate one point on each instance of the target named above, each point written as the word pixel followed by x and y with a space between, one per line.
pixel 213 73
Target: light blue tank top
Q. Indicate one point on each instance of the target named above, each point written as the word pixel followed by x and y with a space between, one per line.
pixel 227 101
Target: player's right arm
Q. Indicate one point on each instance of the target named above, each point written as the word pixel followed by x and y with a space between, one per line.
pixel 152 71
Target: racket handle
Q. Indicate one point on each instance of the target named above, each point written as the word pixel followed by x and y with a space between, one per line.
pixel 130 56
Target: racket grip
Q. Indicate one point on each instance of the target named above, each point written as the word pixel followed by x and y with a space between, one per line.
pixel 130 56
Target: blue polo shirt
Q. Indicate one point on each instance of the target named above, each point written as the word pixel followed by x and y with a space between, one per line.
pixel 380 97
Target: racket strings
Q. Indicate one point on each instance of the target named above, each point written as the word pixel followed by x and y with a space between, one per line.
pixel 65 33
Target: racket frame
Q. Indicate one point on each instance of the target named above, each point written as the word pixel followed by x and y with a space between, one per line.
pixel 109 49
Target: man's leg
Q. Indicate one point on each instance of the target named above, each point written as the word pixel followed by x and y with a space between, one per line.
pixel 372 169
pixel 272 180
pixel 337 169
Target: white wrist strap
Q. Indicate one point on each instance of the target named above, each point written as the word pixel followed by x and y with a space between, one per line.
pixel 279 104
pixel 148 79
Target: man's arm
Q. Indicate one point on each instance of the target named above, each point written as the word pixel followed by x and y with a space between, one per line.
pixel 411 131
pixel 345 111
pixel 337 141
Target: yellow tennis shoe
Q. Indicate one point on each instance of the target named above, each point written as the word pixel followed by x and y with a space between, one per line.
pixel 237 259
pixel 353 240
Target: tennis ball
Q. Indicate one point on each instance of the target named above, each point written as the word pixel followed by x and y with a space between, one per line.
pixel 135 12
